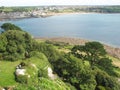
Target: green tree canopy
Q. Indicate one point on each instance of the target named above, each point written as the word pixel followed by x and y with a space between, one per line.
pixel 106 65
pixel 105 81
pixel 15 44
pixel 91 51
pixel 72 70
pixel 9 26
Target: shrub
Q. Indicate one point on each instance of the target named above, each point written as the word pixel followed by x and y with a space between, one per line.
pixel 108 82
pixel 42 73
pixel 15 45
pixel 35 54
pixel 100 88
pixel 22 79
pixel 24 87
pixel 9 26
pixel 49 50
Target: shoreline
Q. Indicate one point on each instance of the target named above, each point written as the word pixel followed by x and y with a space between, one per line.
pixel 4 18
pixel 111 50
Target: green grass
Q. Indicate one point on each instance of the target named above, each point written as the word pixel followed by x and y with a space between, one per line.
pixel 15 9
pixel 40 62
pixel 7 9
pixel 115 61
pixel 40 40
pixel 46 84
pixel 117 70
pixel 7 77
pixel 7 70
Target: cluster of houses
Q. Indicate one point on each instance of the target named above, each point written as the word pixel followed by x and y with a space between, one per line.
pixel 42 11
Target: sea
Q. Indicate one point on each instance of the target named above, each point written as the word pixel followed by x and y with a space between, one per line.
pixel 104 28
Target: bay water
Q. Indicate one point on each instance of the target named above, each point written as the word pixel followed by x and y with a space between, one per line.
pixel 99 27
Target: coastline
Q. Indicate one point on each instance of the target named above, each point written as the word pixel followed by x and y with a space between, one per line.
pixel 7 18
pixel 113 51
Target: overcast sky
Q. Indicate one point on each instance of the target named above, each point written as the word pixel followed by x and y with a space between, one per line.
pixel 57 2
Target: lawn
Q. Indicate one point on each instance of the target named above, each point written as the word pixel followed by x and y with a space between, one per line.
pixel 7 70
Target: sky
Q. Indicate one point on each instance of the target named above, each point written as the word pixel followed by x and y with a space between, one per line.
pixel 57 2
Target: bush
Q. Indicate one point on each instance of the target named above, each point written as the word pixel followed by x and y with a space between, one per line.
pixel 100 88
pixel 42 73
pixel 108 82
pixel 51 53
pixel 106 65
pixel 15 45
pixel 24 87
pixel 47 84
pixel 23 64
pixel 71 86
pixel 35 54
pixel 22 79
pixel 9 26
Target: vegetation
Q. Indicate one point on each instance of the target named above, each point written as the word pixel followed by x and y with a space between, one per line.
pixel 84 67
pixel 9 26
pixel 15 45
pixel 15 9
pixel 91 51
pixel 95 53
pixel 97 9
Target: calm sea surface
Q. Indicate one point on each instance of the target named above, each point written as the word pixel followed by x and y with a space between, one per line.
pixel 100 27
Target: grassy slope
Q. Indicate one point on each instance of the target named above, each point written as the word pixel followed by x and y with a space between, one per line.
pixel 7 73
pixel 116 62
pixel 7 78
pixel 7 69
pixel 46 84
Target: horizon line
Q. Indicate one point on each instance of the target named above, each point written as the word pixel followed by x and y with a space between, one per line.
pixel 55 5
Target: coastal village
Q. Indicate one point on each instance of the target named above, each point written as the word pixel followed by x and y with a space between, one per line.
pixel 44 11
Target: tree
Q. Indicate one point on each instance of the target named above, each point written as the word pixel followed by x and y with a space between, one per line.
pixel 14 45
pixel 91 51
pixel 3 43
pixel 73 71
pixel 49 50
pixel 106 65
pixel 106 81
pixel 9 26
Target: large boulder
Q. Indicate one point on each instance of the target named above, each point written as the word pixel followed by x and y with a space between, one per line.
pixel 20 71
pixel 50 74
